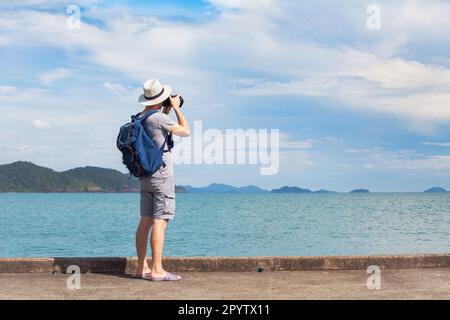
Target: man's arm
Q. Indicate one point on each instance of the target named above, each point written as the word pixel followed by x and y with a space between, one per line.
pixel 182 128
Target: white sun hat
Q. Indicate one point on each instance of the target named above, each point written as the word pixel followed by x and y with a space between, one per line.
pixel 154 93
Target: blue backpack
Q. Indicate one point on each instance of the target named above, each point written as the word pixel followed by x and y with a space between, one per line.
pixel 139 154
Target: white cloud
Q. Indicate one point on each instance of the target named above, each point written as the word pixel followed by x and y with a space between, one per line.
pixel 438 162
pixel 287 142
pixel 51 76
pixel 14 94
pixel 437 144
pixel 4 40
pixel 40 124
pixel 399 159
pixel 41 4
pixel 7 90
pixel 421 21
pixel 403 88
pixel 115 88
pixel 295 162
pixel 244 5
pixel 358 151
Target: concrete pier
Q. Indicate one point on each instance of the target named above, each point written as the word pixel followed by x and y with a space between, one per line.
pixel 237 278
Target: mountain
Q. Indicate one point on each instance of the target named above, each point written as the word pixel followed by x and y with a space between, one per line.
pixel 360 191
pixel 286 189
pixel 107 180
pixel 23 176
pixel 27 177
pixel 224 188
pixel 435 190
pixel 251 189
pixel 212 188
pixel 324 191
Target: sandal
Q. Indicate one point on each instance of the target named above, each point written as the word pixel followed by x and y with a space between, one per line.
pixel 168 277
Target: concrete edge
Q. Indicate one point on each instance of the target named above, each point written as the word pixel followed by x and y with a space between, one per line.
pixel 226 264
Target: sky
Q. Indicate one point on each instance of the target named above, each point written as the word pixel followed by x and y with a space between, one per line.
pixel 356 106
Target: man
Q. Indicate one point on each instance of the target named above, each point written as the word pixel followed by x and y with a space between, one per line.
pixel 158 190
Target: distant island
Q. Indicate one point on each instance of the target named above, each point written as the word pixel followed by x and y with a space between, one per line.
pixel 435 190
pixel 224 188
pixel 360 191
pixel 287 189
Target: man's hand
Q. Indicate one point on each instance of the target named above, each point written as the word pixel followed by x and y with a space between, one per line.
pixel 182 129
pixel 175 102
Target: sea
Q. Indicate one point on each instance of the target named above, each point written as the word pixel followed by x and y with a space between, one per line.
pixel 228 224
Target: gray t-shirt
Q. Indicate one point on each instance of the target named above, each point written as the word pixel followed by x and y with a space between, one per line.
pixel 157 127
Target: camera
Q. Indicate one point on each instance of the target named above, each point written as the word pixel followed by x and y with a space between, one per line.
pixel 167 103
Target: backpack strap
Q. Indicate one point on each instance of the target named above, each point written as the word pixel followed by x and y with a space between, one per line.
pixel 144 117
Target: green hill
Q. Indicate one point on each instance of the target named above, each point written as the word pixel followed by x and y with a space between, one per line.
pixel 24 176
pixel 108 180
pixel 287 189
pixel 27 177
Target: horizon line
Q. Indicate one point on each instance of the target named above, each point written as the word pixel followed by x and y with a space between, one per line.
pixel 243 186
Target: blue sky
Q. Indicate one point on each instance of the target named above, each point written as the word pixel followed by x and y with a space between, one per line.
pixel 363 108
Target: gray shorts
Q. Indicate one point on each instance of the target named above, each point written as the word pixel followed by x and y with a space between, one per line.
pixel 158 195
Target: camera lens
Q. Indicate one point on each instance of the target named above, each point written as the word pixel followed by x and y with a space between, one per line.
pixel 181 101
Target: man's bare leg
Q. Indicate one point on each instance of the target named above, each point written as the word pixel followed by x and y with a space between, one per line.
pixel 157 243
pixel 142 233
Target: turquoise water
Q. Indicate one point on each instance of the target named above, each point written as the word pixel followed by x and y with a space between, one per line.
pixel 228 224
